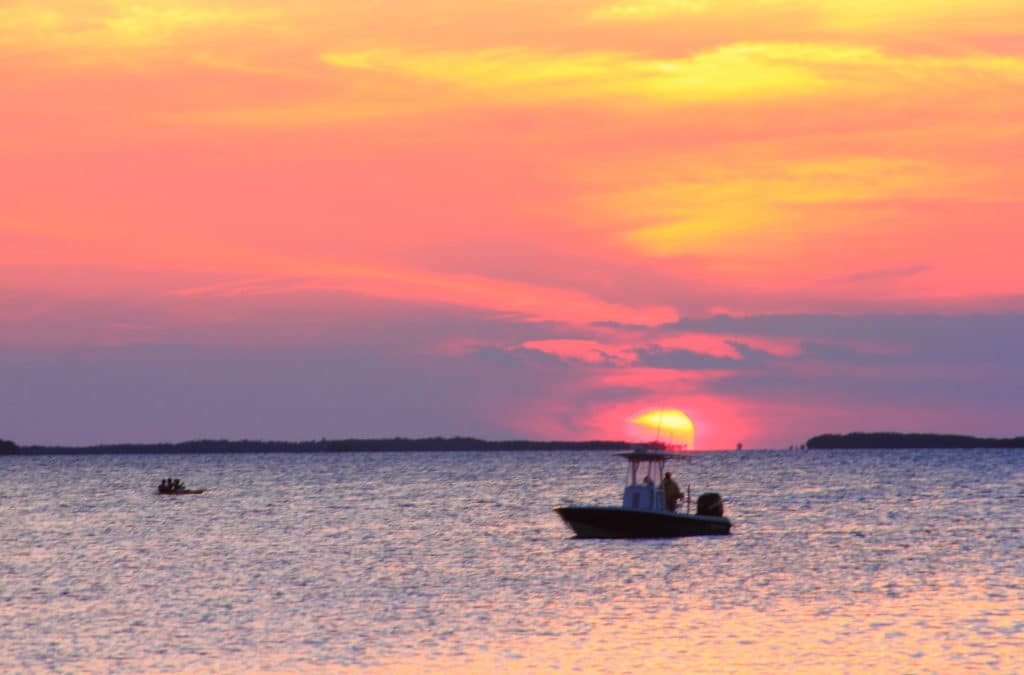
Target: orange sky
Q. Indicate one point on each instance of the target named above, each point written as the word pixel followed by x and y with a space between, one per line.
pixel 529 215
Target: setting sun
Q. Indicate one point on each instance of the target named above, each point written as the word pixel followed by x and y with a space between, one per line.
pixel 667 425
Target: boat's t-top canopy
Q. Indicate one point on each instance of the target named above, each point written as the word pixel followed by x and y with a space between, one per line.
pixel 647 466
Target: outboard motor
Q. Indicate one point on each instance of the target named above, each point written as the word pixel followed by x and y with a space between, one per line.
pixel 710 504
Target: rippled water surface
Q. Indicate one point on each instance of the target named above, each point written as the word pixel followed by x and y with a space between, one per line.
pixel 885 561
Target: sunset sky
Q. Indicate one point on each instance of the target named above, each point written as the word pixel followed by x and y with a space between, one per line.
pixel 510 219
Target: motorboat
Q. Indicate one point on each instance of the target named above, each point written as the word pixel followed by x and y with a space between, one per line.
pixel 645 510
pixel 168 487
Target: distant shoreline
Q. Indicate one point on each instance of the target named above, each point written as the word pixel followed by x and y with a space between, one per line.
pixel 438 444
pixel 861 440
pixel 851 441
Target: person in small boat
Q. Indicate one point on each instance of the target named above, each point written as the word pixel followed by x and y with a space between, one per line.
pixel 671 490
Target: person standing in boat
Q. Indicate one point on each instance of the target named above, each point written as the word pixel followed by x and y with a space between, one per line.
pixel 671 490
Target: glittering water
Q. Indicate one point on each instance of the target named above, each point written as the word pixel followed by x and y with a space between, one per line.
pixel 894 561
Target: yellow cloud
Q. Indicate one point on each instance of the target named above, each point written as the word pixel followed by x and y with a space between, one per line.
pixel 740 72
pixel 523 75
pixel 387 82
pixel 711 213
pixel 156 24
pixel 863 16
pixel 16 22
pixel 96 27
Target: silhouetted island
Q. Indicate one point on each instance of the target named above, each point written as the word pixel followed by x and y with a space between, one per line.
pixel 457 443
pixel 887 439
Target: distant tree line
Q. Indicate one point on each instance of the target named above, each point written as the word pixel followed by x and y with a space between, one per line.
pixel 887 439
pixel 397 444
pixel 462 443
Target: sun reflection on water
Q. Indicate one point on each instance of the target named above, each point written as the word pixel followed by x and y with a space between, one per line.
pixel 919 633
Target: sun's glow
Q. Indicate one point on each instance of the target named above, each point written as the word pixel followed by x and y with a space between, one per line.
pixel 667 425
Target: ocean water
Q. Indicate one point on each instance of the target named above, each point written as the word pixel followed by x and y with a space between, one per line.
pixel 898 561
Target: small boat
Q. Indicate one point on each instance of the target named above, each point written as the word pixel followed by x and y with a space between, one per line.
pixel 645 511
pixel 175 487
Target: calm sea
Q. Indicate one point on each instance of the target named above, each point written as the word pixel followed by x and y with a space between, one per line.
pixel 839 561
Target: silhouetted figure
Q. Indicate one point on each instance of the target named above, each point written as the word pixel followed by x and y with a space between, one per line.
pixel 672 491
